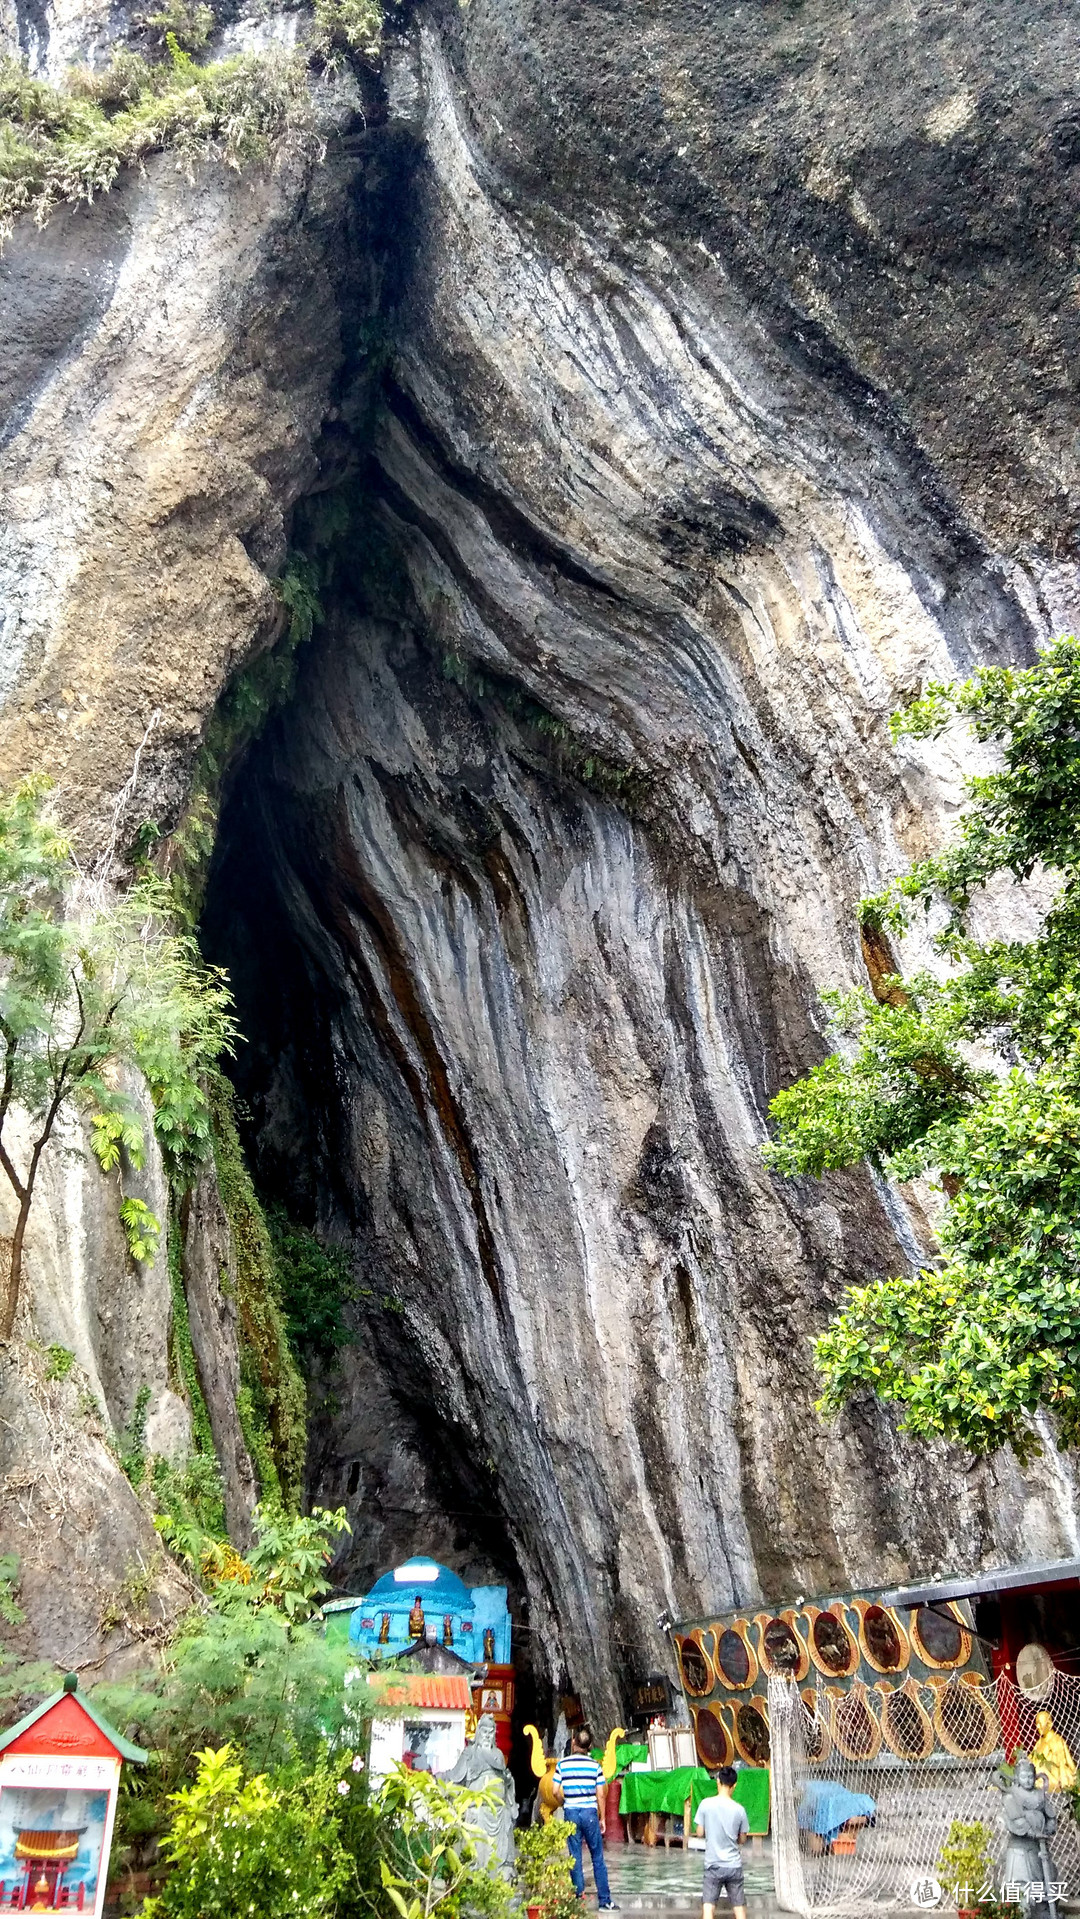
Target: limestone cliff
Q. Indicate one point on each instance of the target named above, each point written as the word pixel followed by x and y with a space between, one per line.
pixel 661 397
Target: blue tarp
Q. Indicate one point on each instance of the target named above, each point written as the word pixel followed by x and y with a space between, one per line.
pixel 826 1806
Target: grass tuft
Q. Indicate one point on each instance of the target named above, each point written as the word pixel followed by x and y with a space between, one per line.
pixel 69 144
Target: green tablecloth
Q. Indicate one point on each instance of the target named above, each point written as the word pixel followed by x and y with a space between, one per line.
pixel 625 1755
pixel 669 1792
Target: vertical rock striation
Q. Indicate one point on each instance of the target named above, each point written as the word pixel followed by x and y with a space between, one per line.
pixel 530 892
pixel 672 395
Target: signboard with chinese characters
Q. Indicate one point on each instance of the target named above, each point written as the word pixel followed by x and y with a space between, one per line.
pixel 651 1695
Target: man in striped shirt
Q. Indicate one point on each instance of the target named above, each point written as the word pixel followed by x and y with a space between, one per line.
pixel 579 1785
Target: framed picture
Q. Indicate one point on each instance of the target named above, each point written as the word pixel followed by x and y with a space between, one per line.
pixel 56 1821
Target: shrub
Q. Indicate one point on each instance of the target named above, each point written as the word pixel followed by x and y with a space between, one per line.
pixel 432 1870
pixel 246 1847
pixel 544 1869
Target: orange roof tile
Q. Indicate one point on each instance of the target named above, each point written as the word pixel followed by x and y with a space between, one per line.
pixel 447 1690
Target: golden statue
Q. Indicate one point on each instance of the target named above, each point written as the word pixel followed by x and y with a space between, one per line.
pixel 448 1629
pixel 607 1763
pixel 416 1619
pixel 542 1769
pixel 384 1630
pixel 1052 1756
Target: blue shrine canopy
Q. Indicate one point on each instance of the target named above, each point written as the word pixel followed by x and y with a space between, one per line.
pixel 440 1590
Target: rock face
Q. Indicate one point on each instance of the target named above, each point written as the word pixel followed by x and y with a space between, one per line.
pixel 677 393
pixel 529 892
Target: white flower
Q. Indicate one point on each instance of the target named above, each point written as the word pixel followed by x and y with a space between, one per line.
pixel 343 1785
pixel 358 1764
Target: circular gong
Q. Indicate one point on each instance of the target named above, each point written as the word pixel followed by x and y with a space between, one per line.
pixel 833 1644
pixel 713 1739
pixel 733 1659
pixel 782 1650
pixel 940 1639
pixel 752 1735
pixel 695 1667
pixel 1034 1667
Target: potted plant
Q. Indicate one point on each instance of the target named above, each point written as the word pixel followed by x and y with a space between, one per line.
pixel 965 1867
pixel 543 1862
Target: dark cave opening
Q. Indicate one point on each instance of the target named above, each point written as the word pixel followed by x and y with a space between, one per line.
pixel 411 1472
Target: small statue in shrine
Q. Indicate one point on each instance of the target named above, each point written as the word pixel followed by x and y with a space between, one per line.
pixel 416 1619
pixel 384 1630
pixel 489 1643
pixel 448 1630
pixel 1052 1756
pixel 1030 1822
pixel 478 1766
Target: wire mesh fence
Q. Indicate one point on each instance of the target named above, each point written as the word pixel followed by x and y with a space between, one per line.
pixel 867 1783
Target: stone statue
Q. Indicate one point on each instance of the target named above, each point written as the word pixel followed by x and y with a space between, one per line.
pixel 1052 1756
pixel 1030 1822
pixel 478 1765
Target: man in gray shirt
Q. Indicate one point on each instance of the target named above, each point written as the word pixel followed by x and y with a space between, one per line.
pixel 725 1827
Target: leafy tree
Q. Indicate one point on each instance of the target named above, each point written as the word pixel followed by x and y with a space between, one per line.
pixel 87 986
pixel 974 1347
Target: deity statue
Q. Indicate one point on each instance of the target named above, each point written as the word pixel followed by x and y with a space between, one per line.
pixel 384 1630
pixel 1030 1822
pixel 416 1619
pixel 489 1643
pixel 1052 1756
pixel 478 1765
pixel 448 1630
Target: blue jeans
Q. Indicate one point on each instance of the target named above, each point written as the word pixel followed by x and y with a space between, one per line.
pixel 583 1823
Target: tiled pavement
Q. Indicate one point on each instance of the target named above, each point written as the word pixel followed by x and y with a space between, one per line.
pixel 651 1879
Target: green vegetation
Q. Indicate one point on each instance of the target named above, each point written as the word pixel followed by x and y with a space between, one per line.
pixel 60 1362
pixel 255 1797
pixel 316 1284
pixel 87 987
pixel 69 145
pixel 273 1401
pixel 355 25
pixel 543 1864
pixel 431 1871
pixel 10 1610
pixel 551 736
pixel 974 1348
pixel 239 1845
pixel 965 1867
pixel 133 1439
